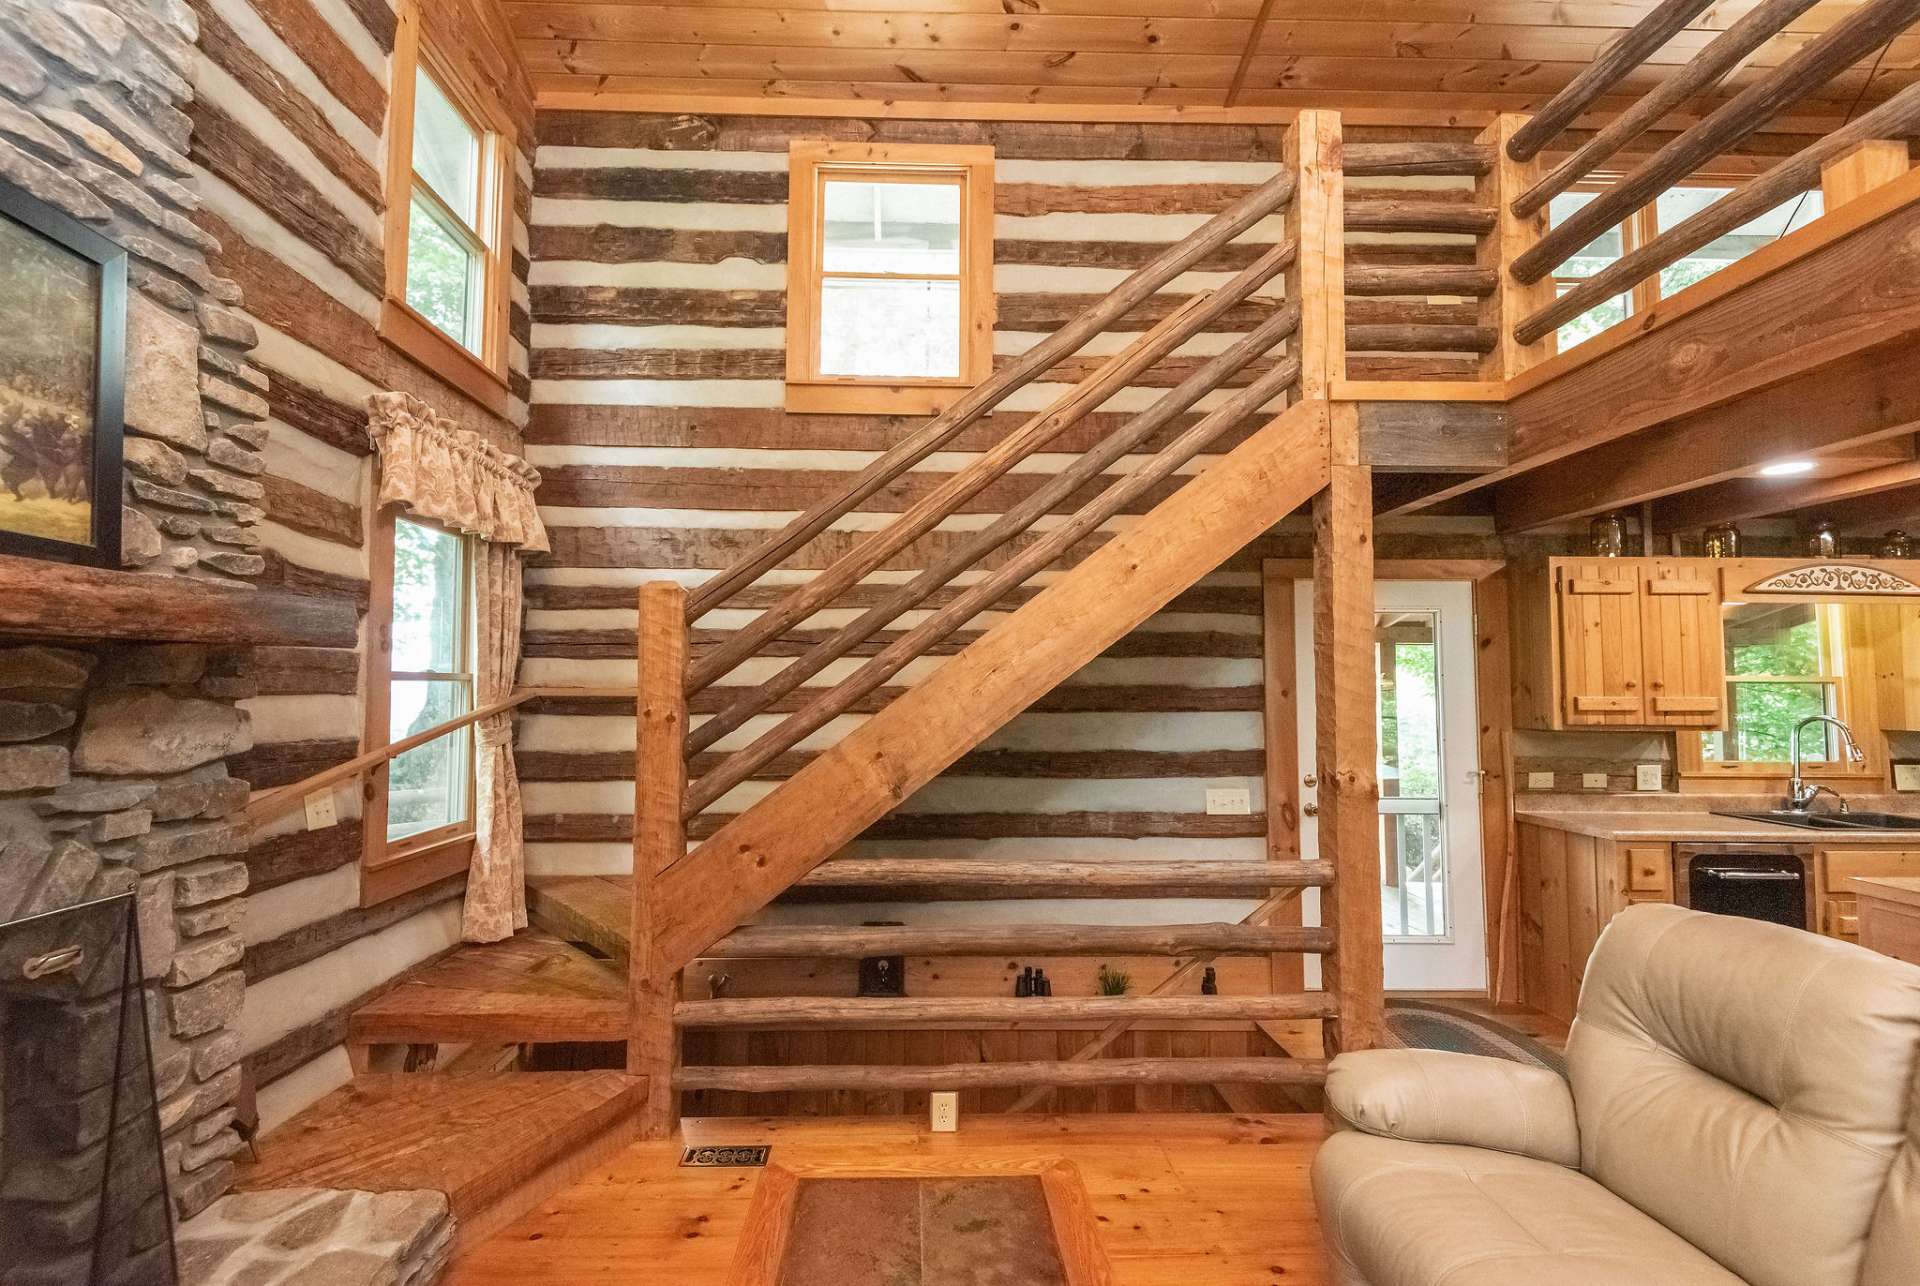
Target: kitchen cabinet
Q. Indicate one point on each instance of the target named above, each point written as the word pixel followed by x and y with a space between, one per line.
pixel 1836 904
pixel 1567 887
pixel 1618 643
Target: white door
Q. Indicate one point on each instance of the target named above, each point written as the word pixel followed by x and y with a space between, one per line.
pixel 1432 901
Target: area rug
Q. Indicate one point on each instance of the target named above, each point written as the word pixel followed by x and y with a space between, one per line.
pixel 1427 1024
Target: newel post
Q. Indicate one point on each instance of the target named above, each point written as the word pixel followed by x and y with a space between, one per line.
pixel 1316 224
pixel 1511 302
pixel 659 839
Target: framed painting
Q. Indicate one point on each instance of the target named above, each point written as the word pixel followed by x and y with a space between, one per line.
pixel 63 323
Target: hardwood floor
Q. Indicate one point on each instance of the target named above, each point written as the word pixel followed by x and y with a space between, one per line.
pixel 1181 1200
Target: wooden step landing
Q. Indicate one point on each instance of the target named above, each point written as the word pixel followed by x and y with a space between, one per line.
pixel 485 1141
pixel 531 988
pixel 593 909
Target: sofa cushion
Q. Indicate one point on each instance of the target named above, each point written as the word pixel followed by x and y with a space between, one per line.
pixel 1747 1085
pixel 1396 1213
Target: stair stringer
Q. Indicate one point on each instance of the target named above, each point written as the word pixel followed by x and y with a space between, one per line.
pixel 812 815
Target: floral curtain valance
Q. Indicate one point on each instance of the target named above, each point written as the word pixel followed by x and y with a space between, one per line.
pixel 439 470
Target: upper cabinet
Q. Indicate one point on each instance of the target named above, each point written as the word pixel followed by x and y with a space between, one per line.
pixel 1618 643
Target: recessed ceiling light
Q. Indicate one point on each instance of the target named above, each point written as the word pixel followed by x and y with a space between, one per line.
pixel 1786 468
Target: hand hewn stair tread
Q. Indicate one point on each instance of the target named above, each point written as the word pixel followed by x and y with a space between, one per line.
pixel 1044 1011
pixel 475 1138
pixel 531 987
pixel 1098 1071
pixel 959 878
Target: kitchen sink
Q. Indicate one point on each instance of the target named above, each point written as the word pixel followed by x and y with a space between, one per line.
pixel 1854 821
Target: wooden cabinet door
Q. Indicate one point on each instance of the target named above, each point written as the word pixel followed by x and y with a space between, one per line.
pixel 1681 646
pixel 1600 661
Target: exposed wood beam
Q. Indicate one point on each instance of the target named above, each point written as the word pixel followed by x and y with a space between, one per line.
pixel 1762 497
pixel 1863 399
pixel 1246 55
pixel 1433 437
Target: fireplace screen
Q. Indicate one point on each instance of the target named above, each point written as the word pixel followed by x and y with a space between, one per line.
pixel 83 1196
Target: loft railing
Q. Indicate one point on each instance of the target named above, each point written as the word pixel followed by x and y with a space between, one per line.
pixel 1854 39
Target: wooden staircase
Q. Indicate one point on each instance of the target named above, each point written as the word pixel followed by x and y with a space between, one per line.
pixel 698 904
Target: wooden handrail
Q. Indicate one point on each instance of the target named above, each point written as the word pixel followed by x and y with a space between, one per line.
pixel 1898 117
pixel 1609 67
pixel 1192 317
pixel 273 802
pixel 914 643
pixel 1845 43
pixel 1003 529
pixel 1760 24
pixel 1176 259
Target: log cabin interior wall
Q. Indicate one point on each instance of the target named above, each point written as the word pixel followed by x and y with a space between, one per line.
pixel 290 116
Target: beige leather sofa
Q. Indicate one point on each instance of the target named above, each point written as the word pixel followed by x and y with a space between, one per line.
pixel 1743 1105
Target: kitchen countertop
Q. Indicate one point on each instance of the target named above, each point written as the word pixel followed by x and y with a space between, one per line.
pixel 1664 825
pixel 1904 889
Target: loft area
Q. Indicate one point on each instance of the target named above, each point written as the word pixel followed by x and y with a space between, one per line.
pixel 1109 641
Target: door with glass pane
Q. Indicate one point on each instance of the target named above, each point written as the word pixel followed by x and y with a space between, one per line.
pixel 1432 903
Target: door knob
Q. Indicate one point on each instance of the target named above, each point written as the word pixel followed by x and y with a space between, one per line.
pixel 1311 810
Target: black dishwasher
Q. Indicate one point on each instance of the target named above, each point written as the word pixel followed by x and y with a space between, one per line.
pixel 1759 882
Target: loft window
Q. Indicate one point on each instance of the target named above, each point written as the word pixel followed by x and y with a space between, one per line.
pixel 889 276
pixel 1671 209
pixel 449 202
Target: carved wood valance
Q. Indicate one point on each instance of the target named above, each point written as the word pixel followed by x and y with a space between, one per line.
pixel 1836 580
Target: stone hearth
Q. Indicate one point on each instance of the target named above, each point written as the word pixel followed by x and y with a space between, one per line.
pixel 318 1237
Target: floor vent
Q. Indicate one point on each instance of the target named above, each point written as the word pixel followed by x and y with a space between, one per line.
pixel 737 1155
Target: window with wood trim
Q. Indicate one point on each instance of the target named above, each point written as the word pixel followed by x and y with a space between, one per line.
pixel 1671 208
pixel 449 212
pixel 889 275
pixel 420 674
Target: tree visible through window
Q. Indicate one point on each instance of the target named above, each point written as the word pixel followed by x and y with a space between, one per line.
pixel 429 787
pixel 1783 665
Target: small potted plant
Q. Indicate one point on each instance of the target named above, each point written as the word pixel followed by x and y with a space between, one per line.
pixel 1112 982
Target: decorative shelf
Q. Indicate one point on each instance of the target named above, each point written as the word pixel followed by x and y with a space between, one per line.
pixel 46 600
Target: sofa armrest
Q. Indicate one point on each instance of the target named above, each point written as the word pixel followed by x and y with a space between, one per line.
pixel 1430 1096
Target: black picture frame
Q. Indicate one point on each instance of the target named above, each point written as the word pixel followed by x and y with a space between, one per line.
pixel 102 549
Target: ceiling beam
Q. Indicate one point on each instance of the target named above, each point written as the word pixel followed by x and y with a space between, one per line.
pixel 1867 398
pixel 1745 498
pixel 1245 65
pixel 1432 437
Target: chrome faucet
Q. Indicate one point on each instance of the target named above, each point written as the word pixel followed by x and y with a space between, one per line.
pixel 1799 793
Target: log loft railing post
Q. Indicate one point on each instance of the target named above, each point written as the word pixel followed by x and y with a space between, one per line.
pixel 1316 225
pixel 1513 234
pixel 1345 752
pixel 659 840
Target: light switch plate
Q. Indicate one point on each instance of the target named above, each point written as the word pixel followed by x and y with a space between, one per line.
pixel 1539 781
pixel 1906 776
pixel 1646 776
pixel 322 811
pixel 945 1111
pixel 1593 780
pixel 1235 802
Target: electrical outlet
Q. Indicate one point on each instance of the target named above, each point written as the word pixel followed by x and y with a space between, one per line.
pixel 1906 776
pixel 946 1111
pixel 322 811
pixel 1539 781
pixel 1236 802
pixel 1593 780
pixel 1646 776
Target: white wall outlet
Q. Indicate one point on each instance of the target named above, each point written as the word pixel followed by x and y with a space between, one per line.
pixel 1906 776
pixel 1539 781
pixel 945 1111
pixel 1593 780
pixel 1646 776
pixel 1237 802
pixel 322 811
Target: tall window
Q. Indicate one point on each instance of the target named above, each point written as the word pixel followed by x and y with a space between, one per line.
pixel 1669 210
pixel 449 203
pixel 429 788
pixel 890 290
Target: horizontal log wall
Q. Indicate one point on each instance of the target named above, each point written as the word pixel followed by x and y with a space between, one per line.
pixel 659 248
pixel 289 116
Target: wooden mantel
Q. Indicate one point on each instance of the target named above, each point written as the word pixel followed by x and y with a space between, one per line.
pixel 56 601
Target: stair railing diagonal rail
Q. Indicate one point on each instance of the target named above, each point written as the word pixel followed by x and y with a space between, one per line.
pixel 1069 339
pixel 1003 529
pixel 915 642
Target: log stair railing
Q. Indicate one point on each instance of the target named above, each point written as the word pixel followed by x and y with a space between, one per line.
pixel 698 904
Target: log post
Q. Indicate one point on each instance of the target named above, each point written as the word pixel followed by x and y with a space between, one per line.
pixel 1345 733
pixel 1513 234
pixel 659 840
pixel 1316 224
pixel 1861 169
